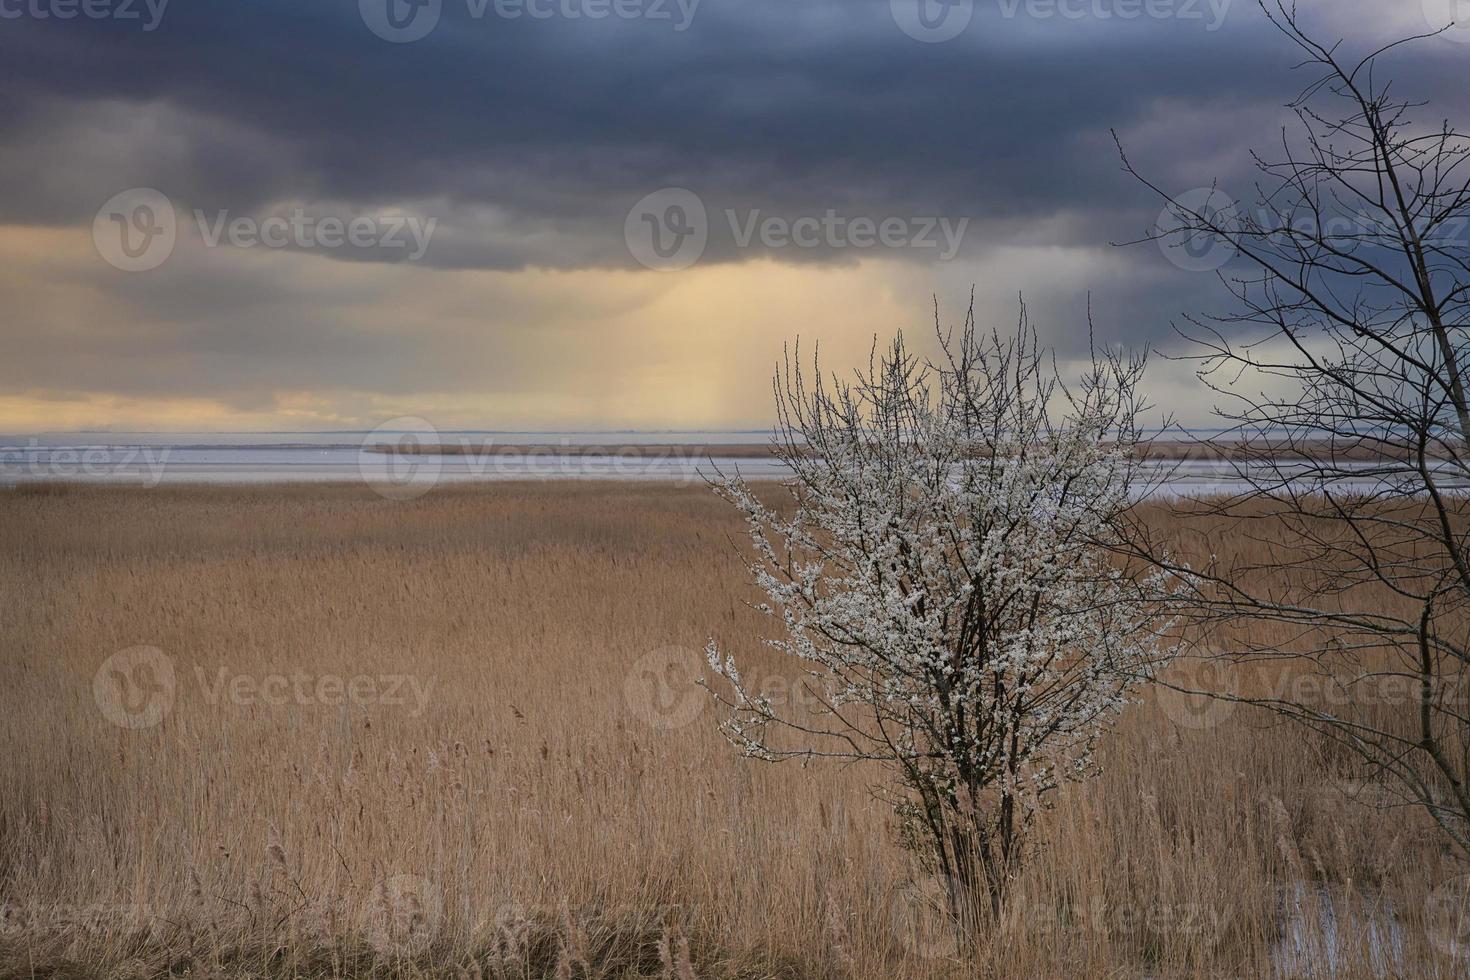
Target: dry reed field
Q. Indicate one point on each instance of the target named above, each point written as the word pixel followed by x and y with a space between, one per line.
pixel 307 731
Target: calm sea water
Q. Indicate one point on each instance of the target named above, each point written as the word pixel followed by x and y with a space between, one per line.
pixel 153 458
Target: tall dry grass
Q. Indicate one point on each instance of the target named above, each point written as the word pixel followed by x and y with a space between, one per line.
pixel 562 805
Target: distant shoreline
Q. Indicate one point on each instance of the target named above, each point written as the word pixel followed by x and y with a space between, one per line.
pixel 1156 450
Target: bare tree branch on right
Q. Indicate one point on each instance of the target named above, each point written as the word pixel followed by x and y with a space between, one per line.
pixel 1340 379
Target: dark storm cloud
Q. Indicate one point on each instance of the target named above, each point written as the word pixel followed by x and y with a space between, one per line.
pixel 530 139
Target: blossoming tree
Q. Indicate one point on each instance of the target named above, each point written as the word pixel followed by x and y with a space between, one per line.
pixel 943 581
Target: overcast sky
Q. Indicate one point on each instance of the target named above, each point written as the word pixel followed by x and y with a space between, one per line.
pixel 503 214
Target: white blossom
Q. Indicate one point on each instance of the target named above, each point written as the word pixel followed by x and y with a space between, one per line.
pixel 943 577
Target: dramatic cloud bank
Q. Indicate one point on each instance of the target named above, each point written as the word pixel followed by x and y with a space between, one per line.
pixel 351 224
